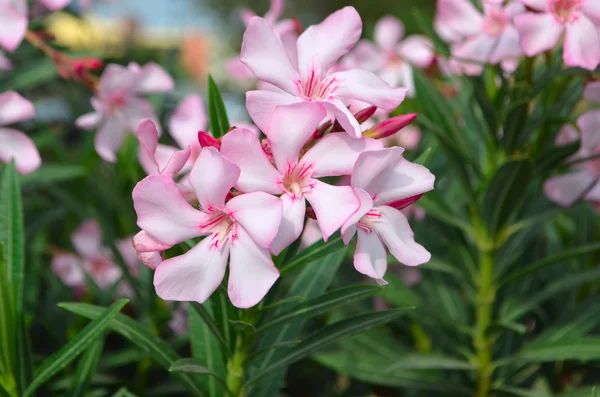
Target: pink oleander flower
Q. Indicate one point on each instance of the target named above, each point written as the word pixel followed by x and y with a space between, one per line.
pixel 385 182
pixel 241 230
pixel 13 23
pixel 158 159
pixel 118 107
pixel 478 39
pixel 179 320
pixel 149 249
pixel 286 29
pixel 583 181
pixel 313 77
pixel 91 257
pixel 295 175
pixel 5 63
pixel 579 19
pixel 15 144
pixel 391 57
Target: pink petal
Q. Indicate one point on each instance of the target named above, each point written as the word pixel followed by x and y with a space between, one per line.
pixel 147 134
pixel 109 138
pixel 320 46
pixel 539 32
pixel 566 190
pixel 55 5
pixel 257 173
pixel 13 26
pixel 275 11
pixel 477 48
pixel 5 63
pixel 150 259
pixel 292 222
pixel 508 46
pixel 592 9
pixel 538 5
pixel 193 276
pixel 333 206
pixel 370 257
pixel 261 105
pixel 153 78
pixel 259 214
pixel 589 124
pixel 290 128
pixel 68 268
pixel 164 213
pixel 344 117
pixel 311 234
pixel 582 44
pixel 116 78
pixel 592 92
pixel 264 54
pixel 14 108
pixel 18 146
pixel 236 69
pixel 388 32
pixel 458 17
pixel 135 110
pixel 366 205
pixel 89 121
pixel 417 50
pixel 128 253
pixel 246 15
pixel 396 234
pixel 566 135
pixel 365 86
pixel 188 118
pixel 251 272
pixel 212 177
pixel 87 239
pixel 144 242
pixel 336 153
pixel 365 56
pixel 177 162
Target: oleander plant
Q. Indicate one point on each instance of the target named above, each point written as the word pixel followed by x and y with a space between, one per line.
pixel 409 215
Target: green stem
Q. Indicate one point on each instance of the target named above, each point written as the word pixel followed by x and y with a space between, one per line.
pixel 235 368
pixel 482 340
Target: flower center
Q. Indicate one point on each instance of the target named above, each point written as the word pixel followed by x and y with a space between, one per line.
pixel 495 22
pixel 116 101
pixel 566 11
pixel 222 226
pixel 297 180
pixel 367 221
pixel 315 87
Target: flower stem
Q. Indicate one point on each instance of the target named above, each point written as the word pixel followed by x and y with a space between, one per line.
pixel 235 368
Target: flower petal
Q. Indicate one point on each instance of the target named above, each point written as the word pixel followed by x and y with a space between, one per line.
pixel 388 32
pixel 507 47
pixel 236 69
pixel 109 138
pixel 264 54
pixel 292 222
pixel 458 18
pixel 320 46
pixel 417 50
pixel 177 162
pixel 566 190
pixel 592 9
pixel 87 239
pixel 13 26
pixel 538 5
pixel 212 177
pixel 135 110
pixel 477 48
pixel 153 78
pixel 18 146
pixel 290 128
pixel 188 118
pixel 275 11
pixel 344 117
pixel 147 134
pixel 5 63
pixel 259 214
pixel 370 257
pixel 193 276
pixel 566 135
pixel 89 121
pixel 589 124
pixel 365 86
pixel 539 32
pixel 261 105
pixel 257 173
pixel 150 259
pixel 164 213
pixel 396 234
pixel 128 254
pixel 582 44
pixel 366 205
pixel 336 153
pixel 592 92
pixel 68 268
pixel 333 206
pixel 14 108
pixel 145 242
pixel 251 272
pixel 55 5
pixel 116 78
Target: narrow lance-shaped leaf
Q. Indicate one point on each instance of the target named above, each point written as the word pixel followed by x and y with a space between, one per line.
pixel 86 368
pixel 191 366
pixel 219 122
pixel 7 329
pixel 316 251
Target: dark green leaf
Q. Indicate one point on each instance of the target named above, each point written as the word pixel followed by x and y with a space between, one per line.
pixel 7 329
pixel 219 122
pixel 316 251
pixel 30 75
pixel 53 173
pixel 424 158
pixel 581 350
pixel 85 369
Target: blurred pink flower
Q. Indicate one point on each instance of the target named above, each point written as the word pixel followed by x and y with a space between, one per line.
pixel 158 159
pixel 5 63
pixel 408 138
pixel 583 181
pixel 15 144
pixel 294 175
pixel 391 57
pixel 579 19
pixel 381 179
pixel 241 229
pixel 118 107
pixel 477 39
pixel 179 320
pixel 313 77
pixel 13 23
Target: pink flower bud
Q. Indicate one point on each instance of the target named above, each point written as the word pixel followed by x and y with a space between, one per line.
pixel 400 204
pixel 365 114
pixel 207 140
pixel 390 126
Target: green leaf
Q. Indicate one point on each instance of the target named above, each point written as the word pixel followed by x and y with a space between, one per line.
pixel 397 293
pixel 85 369
pixel 159 350
pixel 53 364
pixel 53 173
pixel 123 392
pixel 330 334
pixel 554 156
pixel 207 346
pixel 219 122
pixel 7 329
pixel 429 361
pixel 581 350
pixel 189 365
pixel 425 157
pixel 262 351
pixel 316 251
pixel 505 193
pixel 30 75
pixel 322 304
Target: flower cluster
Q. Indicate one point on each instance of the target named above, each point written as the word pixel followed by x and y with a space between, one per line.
pixel 248 199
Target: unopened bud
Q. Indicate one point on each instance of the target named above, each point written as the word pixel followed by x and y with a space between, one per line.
pixel 207 140
pixel 363 115
pixel 391 126
pixel 403 203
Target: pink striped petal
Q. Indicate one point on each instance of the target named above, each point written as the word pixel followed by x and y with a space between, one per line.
pixel 366 204
pixel 292 222
pixel 259 214
pixel 344 117
pixel 370 257
pixel 212 177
